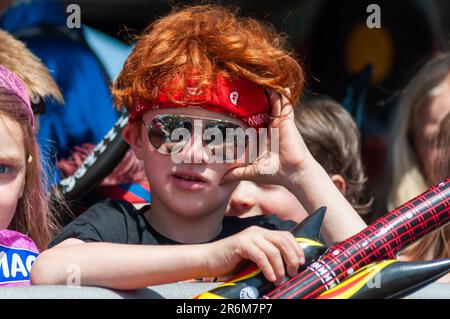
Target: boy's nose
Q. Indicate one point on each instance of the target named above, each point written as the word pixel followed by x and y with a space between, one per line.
pixel 194 151
pixel 243 198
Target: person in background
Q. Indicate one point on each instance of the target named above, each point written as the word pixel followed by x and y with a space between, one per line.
pixel 419 157
pixel 423 104
pixel 437 244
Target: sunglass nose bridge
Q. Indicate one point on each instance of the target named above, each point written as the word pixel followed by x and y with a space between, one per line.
pixel 195 150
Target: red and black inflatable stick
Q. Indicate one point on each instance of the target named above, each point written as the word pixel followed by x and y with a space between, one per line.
pixel 381 240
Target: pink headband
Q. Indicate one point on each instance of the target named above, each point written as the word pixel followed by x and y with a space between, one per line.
pixel 12 83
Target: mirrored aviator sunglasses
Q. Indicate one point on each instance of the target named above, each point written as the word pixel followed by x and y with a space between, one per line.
pixel 170 132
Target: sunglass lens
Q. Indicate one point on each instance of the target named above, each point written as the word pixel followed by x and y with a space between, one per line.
pixel 167 130
pixel 229 137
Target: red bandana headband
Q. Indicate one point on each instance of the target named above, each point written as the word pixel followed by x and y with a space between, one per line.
pixel 238 98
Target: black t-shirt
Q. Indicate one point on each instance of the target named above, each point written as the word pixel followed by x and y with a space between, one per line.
pixel 116 221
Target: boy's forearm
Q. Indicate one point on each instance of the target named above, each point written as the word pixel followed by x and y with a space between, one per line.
pixel 119 266
pixel 313 188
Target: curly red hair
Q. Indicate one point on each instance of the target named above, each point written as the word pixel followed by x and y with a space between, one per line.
pixel 211 40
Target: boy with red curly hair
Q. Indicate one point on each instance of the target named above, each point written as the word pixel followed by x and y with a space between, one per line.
pixel 197 70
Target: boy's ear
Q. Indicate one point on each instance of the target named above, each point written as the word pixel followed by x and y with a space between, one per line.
pixel 132 135
pixel 340 183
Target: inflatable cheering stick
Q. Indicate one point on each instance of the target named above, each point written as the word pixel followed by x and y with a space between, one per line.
pixel 388 279
pixel 100 162
pixel 381 240
pixel 251 283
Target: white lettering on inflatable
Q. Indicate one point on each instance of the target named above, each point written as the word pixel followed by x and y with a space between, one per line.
pixel 111 134
pixel 90 160
pixel 324 273
pixel 100 147
pixel 80 171
pixel 123 120
pixel 68 183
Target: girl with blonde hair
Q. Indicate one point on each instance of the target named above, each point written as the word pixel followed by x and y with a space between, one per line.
pixel 424 103
pixel 420 150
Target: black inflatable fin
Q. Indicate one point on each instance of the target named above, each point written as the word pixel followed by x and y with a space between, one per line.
pixel 311 226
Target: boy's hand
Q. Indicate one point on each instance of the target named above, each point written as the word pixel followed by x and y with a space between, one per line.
pixel 293 155
pixel 266 248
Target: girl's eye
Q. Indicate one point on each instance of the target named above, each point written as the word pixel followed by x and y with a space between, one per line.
pixel 4 169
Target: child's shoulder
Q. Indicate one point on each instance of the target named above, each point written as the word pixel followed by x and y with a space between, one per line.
pixel 110 220
pixel 112 206
pixel 109 211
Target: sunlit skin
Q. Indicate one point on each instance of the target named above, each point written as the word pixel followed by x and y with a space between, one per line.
pixel 427 124
pixel 185 215
pixel 12 169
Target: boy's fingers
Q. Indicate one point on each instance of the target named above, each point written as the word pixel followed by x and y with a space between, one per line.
pixel 286 246
pixel 274 256
pixel 249 172
pixel 286 107
pixel 300 253
pixel 275 102
pixel 298 250
pixel 236 174
pixel 256 255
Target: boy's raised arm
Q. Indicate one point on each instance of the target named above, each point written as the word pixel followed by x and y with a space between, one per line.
pixel 293 167
pixel 313 188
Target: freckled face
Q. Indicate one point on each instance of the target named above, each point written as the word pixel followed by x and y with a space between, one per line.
pixel 188 189
pixel 12 169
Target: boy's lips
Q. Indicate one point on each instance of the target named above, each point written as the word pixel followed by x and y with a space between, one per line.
pixel 189 180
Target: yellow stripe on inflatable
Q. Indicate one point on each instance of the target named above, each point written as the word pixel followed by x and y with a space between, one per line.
pixel 252 274
pixel 226 284
pixel 363 275
pixel 208 295
pixel 308 241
